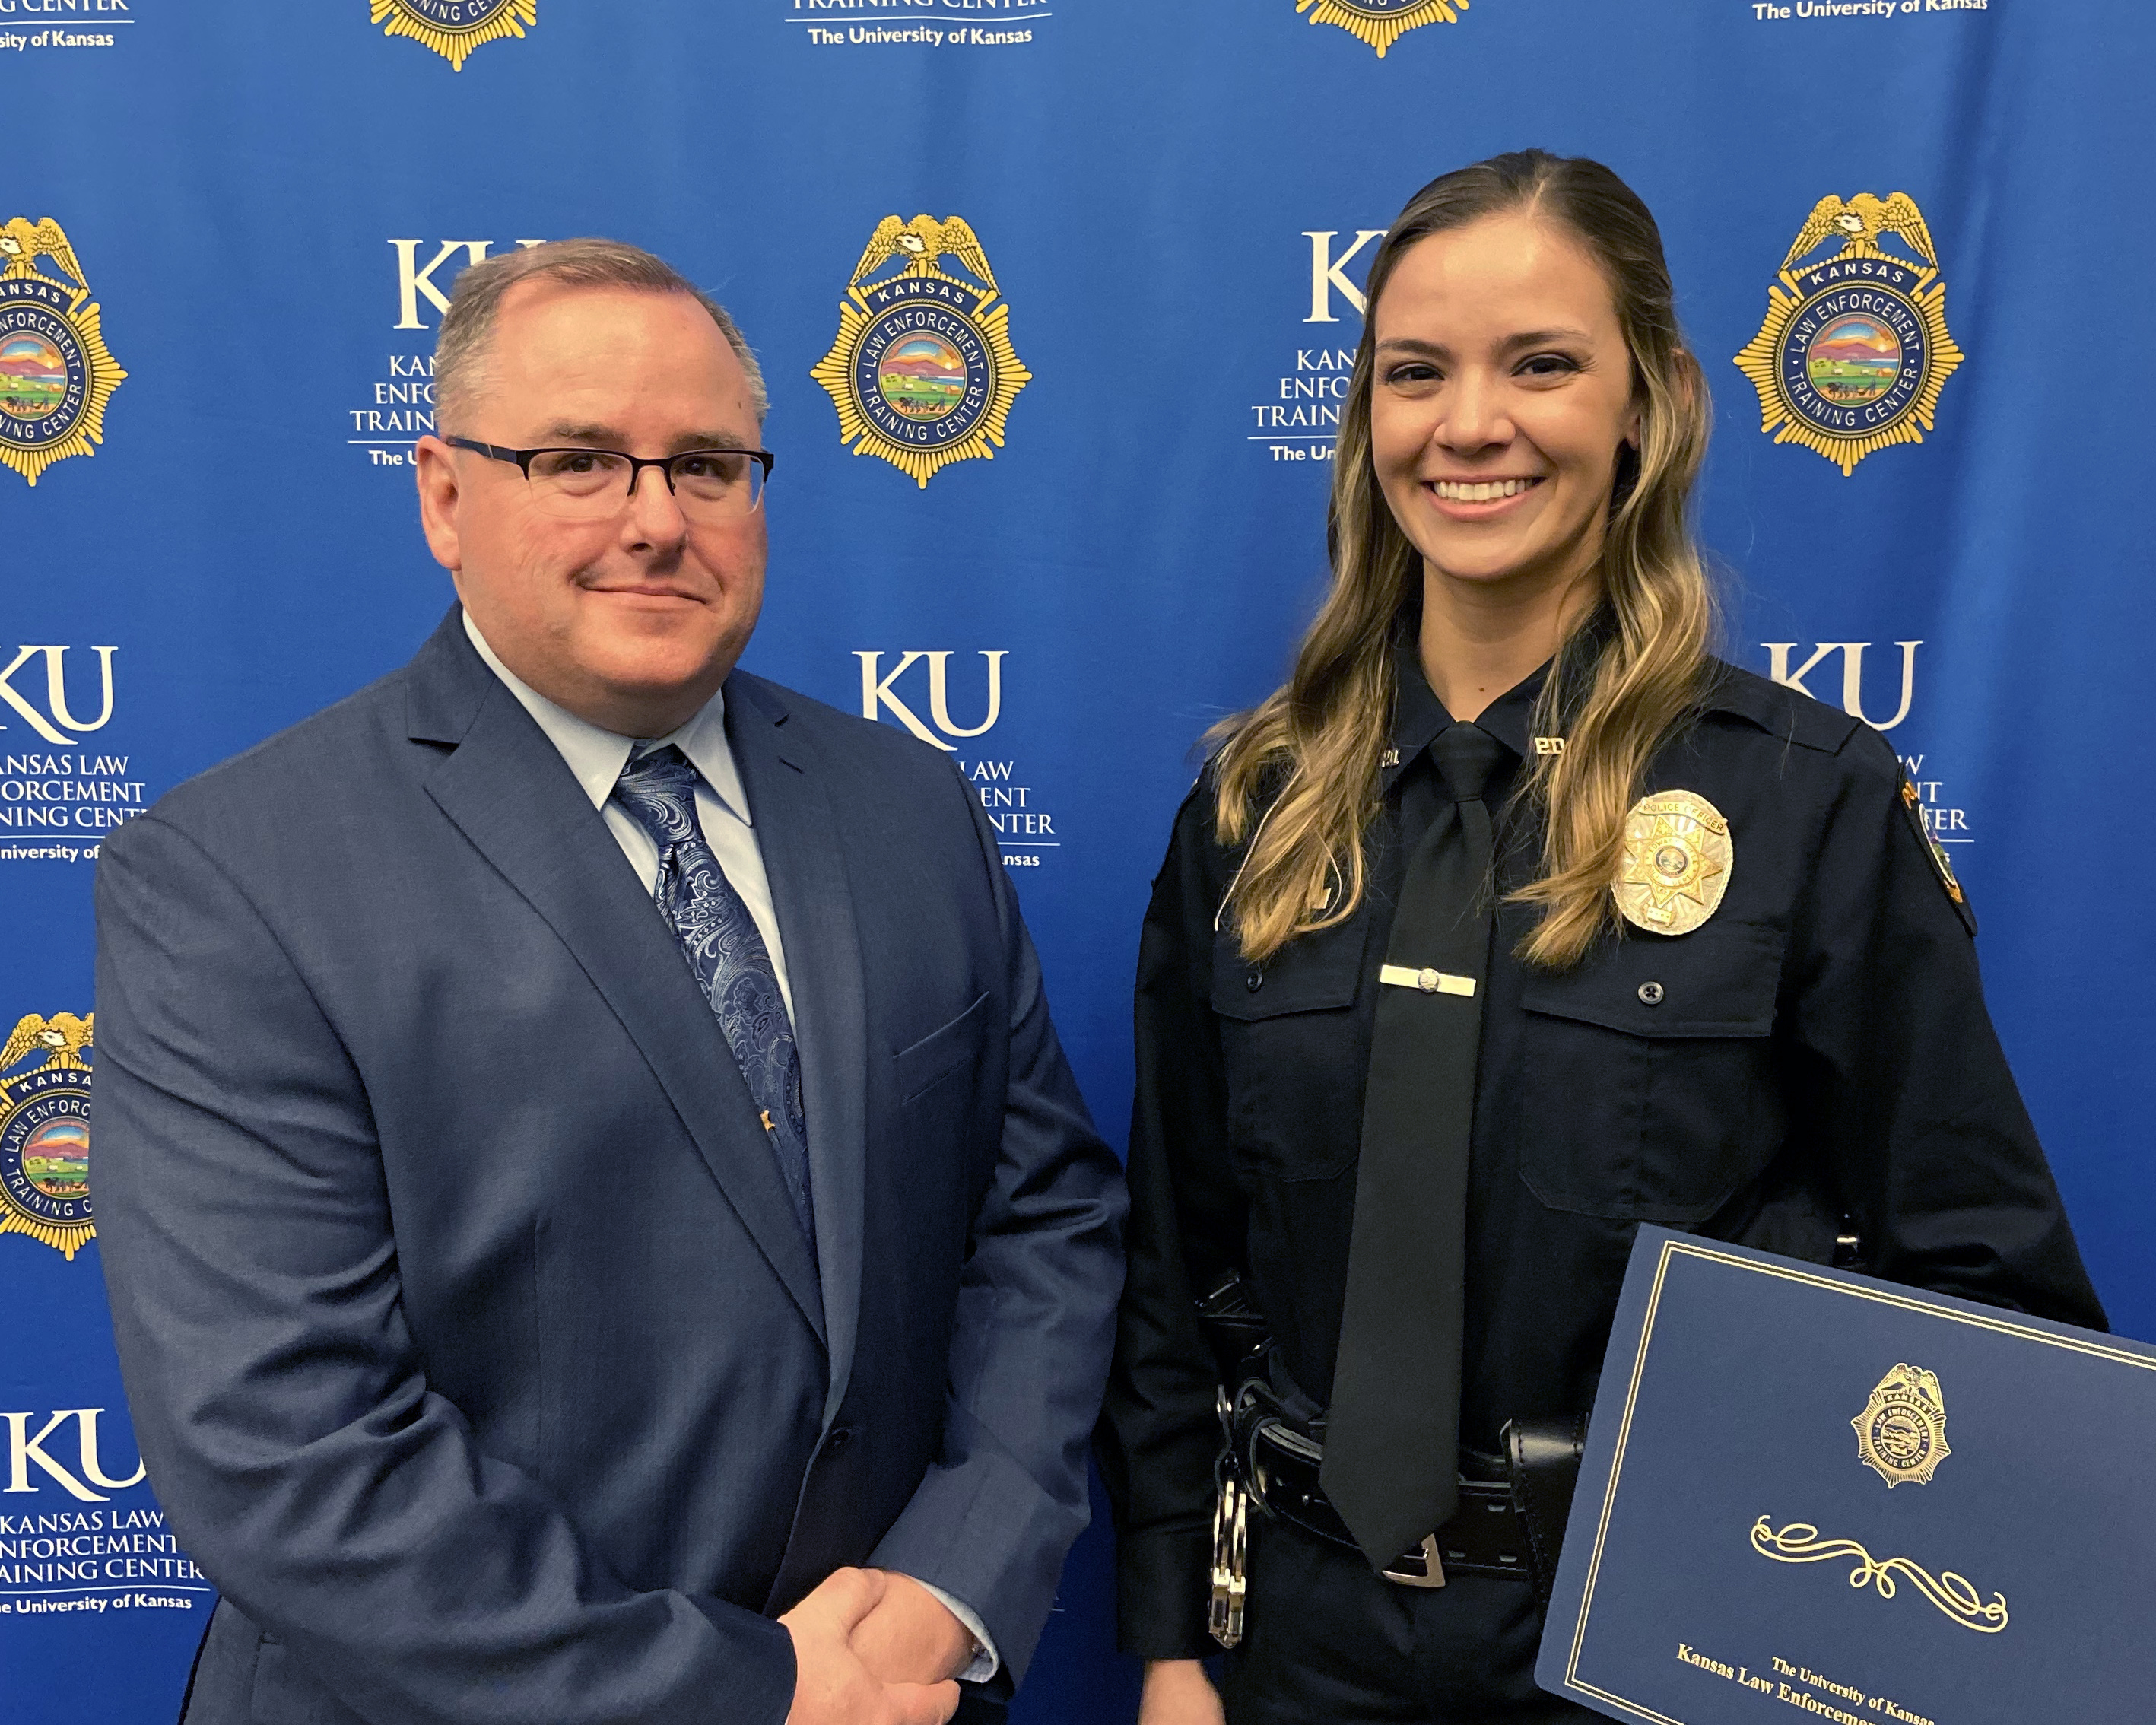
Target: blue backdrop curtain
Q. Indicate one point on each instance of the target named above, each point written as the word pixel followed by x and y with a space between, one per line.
pixel 1054 499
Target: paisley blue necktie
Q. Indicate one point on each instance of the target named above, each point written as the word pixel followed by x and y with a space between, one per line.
pixel 731 964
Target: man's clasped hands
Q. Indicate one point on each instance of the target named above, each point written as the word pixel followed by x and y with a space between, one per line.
pixel 875 1648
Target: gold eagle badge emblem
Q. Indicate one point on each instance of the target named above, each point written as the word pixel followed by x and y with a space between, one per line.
pixel 44 1131
pixel 923 371
pixel 453 28
pixel 1381 22
pixel 56 373
pixel 1855 349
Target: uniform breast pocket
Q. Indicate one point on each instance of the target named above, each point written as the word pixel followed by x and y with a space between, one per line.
pixel 1648 1091
pixel 1291 1052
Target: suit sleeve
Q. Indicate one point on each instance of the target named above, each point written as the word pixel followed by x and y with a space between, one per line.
pixel 992 1520
pixel 1160 1433
pixel 275 1386
pixel 1935 1156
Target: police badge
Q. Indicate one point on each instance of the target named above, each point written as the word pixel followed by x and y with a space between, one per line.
pixel 923 371
pixel 45 1133
pixel 1677 865
pixel 1902 1433
pixel 56 373
pixel 1853 355
pixel 453 28
pixel 1381 22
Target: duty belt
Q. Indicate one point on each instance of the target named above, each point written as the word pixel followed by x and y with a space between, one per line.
pixel 1510 1521
pixel 1485 1535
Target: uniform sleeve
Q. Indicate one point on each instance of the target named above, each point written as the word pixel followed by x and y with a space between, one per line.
pixel 1934 1154
pixel 1159 1432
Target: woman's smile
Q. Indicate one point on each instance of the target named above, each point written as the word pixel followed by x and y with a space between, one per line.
pixel 1480 499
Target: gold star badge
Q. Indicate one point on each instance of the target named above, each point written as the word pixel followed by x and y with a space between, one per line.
pixel 1677 863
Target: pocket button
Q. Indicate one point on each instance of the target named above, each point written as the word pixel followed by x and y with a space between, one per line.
pixel 1650 994
pixel 1255 981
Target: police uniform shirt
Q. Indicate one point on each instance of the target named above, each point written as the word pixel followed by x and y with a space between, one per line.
pixel 1819 1047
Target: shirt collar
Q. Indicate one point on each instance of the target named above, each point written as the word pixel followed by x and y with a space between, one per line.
pixel 1419 717
pixel 596 756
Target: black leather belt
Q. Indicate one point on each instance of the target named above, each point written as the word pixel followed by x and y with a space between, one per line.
pixel 1485 1536
pixel 1513 1508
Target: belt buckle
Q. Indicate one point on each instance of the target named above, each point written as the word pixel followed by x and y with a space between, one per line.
pixel 1433 1567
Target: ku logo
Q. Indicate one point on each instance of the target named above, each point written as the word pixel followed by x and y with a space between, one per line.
pixel 879 694
pixel 922 371
pixel 1855 349
pixel 1329 276
pixel 453 28
pixel 85 1480
pixel 56 373
pixel 1852 675
pixel 415 283
pixel 57 721
pixel 1381 22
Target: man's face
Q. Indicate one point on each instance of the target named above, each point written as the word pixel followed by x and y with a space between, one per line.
pixel 631 621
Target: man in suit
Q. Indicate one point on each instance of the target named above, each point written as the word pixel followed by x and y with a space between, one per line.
pixel 533 1307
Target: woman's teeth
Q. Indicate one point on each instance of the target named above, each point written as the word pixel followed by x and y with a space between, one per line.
pixel 1490 492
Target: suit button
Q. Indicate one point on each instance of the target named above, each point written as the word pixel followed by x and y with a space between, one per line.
pixel 1255 981
pixel 840 1436
pixel 1650 994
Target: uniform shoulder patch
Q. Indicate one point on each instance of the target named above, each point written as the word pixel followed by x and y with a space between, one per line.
pixel 1779 709
pixel 1913 809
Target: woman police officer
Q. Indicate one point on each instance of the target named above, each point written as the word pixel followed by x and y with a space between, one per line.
pixel 1513 920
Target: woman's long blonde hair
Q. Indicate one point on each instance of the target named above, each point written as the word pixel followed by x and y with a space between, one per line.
pixel 1313 747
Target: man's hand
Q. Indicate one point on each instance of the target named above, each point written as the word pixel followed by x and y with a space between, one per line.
pixel 1178 1692
pixel 831 1685
pixel 910 1636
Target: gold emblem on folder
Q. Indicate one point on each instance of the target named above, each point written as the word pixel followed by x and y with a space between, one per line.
pixel 1902 1433
pixel 1677 863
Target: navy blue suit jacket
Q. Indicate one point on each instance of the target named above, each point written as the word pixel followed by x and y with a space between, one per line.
pixel 471 1341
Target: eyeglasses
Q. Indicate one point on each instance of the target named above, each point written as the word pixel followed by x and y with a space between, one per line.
pixel 596 485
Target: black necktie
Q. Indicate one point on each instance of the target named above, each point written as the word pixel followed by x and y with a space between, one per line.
pixel 1393 1438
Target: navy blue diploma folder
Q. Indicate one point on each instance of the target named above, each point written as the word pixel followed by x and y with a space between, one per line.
pixel 1811 1493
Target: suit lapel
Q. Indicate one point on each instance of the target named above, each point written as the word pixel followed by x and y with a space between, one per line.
pixel 797 829
pixel 508 790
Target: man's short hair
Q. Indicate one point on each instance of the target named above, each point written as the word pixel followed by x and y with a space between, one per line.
pixel 462 346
